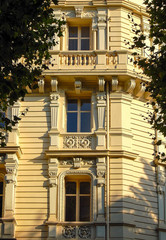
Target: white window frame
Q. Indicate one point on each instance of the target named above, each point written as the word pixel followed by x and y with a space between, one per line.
pixel 78 179
pixel 79 38
pixel 79 112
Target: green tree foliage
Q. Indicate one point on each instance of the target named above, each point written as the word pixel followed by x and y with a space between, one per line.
pixel 27 28
pixel 154 63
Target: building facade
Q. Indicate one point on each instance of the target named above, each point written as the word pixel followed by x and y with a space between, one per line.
pixel 80 165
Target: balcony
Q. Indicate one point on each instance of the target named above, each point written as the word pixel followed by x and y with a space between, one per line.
pixel 110 61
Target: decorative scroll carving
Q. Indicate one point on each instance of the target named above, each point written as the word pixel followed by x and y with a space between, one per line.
pixel 77 86
pixel 101 84
pixel 77 142
pixel 66 162
pixel 114 83
pixel 100 173
pixel 69 232
pixel 101 19
pixel 41 85
pixel 54 96
pixel 88 14
pixel 70 142
pixel 53 171
pixel 54 84
pixel 10 170
pixel 88 162
pixel 84 142
pixel 84 232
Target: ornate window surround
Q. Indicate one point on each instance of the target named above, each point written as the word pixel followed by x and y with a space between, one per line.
pixel 61 192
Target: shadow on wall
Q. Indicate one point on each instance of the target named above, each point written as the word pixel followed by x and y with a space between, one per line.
pixel 135 215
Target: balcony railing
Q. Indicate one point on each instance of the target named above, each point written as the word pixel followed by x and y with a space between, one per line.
pixel 110 60
pixel 77 58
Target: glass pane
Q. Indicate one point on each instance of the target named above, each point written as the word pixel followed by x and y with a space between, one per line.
pixel 70 208
pixel 73 43
pixel 85 32
pixel 84 208
pixel 70 187
pixel 72 105
pixel 1 200
pixel 84 44
pixel 1 187
pixel 85 122
pixel 84 187
pixel 72 122
pixel 85 105
pixel 73 32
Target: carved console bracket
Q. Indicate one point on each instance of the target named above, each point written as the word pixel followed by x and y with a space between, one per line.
pixel 54 84
pixel 101 83
pixel 140 90
pixel 41 85
pixel 115 83
pixel 77 86
pixel 77 162
pixel 130 86
pixel 79 11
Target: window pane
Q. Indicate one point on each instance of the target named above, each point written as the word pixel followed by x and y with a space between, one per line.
pixel 1 187
pixel 84 208
pixel 84 187
pixel 72 122
pixel 70 187
pixel 73 43
pixel 85 105
pixel 1 199
pixel 70 208
pixel 73 32
pixel 85 32
pixel 85 122
pixel 84 44
pixel 72 105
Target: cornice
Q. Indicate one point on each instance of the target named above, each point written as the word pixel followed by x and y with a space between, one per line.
pixel 91 153
pixel 12 150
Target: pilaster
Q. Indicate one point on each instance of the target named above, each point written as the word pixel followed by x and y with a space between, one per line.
pixel 13 137
pixel 52 173
pixel 101 107
pixel 11 164
pixel 54 133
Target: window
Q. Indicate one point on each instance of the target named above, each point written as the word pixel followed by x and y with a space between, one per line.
pixel 79 38
pixel 1 196
pixel 78 115
pixel 77 198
